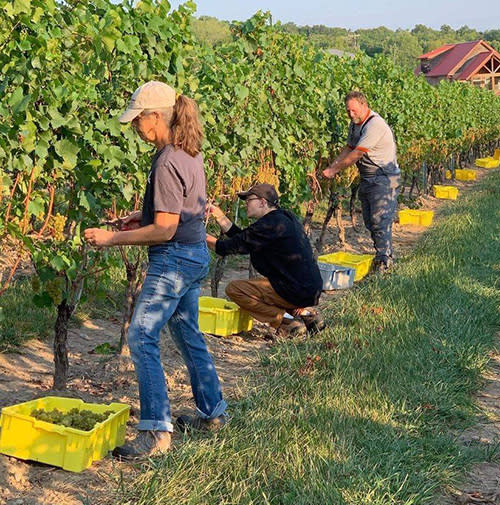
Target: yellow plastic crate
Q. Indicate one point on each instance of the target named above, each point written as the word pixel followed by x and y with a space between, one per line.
pixel 360 262
pixel 25 437
pixel 487 162
pixel 416 217
pixel 222 318
pixel 447 192
pixel 462 175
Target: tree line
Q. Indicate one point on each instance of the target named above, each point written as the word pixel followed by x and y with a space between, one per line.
pixel 402 46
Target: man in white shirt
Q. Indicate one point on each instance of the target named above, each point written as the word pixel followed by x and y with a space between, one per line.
pixel 371 146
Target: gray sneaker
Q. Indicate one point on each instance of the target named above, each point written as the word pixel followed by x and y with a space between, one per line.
pixel 146 443
pixel 196 423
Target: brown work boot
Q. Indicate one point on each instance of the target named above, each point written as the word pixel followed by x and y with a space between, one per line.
pixel 188 423
pixel 314 321
pixel 146 443
pixel 382 267
pixel 291 328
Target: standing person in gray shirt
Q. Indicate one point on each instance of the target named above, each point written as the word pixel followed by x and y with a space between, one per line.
pixel 171 224
pixel 371 146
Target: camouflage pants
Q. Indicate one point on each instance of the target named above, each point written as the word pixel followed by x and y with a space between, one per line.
pixel 378 196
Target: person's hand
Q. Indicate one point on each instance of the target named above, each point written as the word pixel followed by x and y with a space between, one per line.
pixel 132 221
pixel 211 241
pixel 331 171
pixel 98 237
pixel 114 223
pixel 213 210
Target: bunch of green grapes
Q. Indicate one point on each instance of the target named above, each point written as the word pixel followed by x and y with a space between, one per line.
pixel 35 283
pixel 54 288
pixel 57 224
pixel 79 419
pixel 53 416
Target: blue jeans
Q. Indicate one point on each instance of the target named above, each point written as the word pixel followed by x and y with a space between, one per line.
pixel 170 295
pixel 378 195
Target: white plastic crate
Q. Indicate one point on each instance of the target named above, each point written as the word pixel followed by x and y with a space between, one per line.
pixel 336 276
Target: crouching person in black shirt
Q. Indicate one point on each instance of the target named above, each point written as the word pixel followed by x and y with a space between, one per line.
pixel 280 251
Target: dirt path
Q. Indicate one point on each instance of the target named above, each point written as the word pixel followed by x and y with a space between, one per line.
pixel 103 379
pixel 481 484
pixel 100 379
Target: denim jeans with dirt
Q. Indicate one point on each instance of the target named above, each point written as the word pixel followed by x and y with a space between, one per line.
pixel 378 196
pixel 170 296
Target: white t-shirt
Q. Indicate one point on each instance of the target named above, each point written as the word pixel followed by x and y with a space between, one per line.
pixel 375 139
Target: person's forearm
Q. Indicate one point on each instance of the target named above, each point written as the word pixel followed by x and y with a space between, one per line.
pixel 345 151
pixel 147 235
pixel 346 158
pixel 224 223
pixel 346 161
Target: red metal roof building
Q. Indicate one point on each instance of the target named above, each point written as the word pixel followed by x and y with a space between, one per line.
pixel 476 62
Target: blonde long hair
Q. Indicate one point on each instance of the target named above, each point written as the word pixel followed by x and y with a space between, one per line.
pixel 185 125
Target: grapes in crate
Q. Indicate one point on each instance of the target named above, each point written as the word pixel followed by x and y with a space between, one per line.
pixel 78 419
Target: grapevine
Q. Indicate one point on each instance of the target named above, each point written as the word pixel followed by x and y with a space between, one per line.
pixel 272 105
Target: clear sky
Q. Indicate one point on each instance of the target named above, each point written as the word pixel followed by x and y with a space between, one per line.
pixel 479 14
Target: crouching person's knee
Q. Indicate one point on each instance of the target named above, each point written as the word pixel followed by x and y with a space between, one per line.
pixel 232 291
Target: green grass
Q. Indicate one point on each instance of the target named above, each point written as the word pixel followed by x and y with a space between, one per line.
pixel 103 296
pixel 365 413
pixel 20 319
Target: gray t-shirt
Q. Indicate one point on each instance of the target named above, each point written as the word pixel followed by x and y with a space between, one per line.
pixel 176 184
pixel 375 139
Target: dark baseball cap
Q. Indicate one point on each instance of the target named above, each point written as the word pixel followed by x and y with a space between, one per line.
pixel 265 191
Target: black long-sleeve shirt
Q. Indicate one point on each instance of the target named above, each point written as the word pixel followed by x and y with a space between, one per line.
pixel 279 250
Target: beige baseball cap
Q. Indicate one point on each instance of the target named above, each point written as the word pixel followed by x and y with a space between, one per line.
pixel 152 95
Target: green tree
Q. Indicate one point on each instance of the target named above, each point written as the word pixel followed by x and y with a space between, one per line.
pixel 491 35
pixel 403 48
pixel 271 101
pixel 465 33
pixel 426 36
pixel 210 30
pixel 372 40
